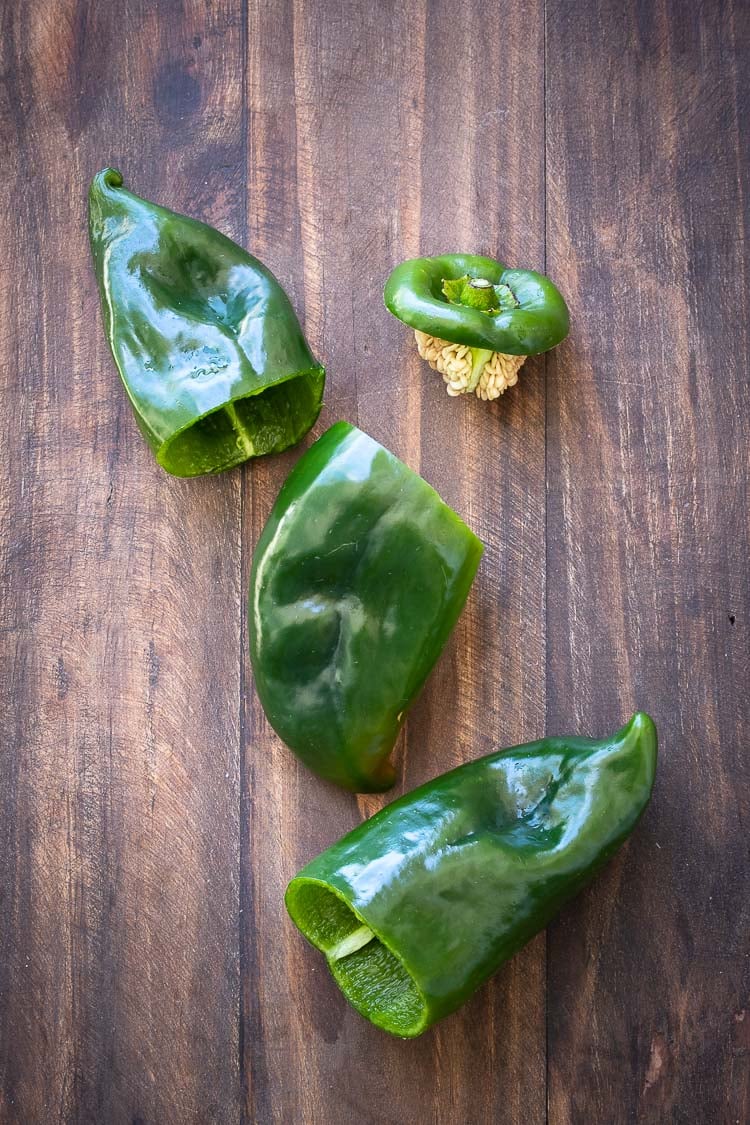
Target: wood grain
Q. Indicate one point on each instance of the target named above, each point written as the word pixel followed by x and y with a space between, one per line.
pixel 649 972
pixel 119 964
pixel 149 817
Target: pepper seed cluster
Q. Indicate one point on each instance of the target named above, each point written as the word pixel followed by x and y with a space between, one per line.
pixel 454 362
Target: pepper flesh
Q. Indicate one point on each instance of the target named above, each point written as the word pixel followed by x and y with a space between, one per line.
pixel 357 581
pixel 452 879
pixel 207 344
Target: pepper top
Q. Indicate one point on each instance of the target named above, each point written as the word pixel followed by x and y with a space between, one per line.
pixel 477 301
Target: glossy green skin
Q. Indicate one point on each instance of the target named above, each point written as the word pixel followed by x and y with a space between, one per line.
pixel 414 294
pixel 457 876
pixel 196 324
pixel 357 581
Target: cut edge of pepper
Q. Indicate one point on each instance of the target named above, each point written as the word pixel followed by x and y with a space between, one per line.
pixel 372 976
pixel 244 446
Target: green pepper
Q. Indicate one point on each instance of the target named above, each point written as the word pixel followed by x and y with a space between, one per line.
pixel 205 339
pixel 475 320
pixel 418 906
pixel 357 581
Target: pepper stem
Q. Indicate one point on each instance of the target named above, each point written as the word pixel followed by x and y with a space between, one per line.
pixel 482 294
pixel 351 943
pixel 471 292
pixel 243 437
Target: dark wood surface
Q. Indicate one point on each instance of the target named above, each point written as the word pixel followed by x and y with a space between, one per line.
pixel 149 818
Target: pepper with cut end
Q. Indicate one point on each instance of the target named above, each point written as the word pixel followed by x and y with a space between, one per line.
pixel 419 905
pixel 475 320
pixel 358 579
pixel 208 346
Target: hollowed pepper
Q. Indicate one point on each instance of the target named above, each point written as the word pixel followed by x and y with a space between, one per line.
pixel 475 320
pixel 419 905
pixel 357 581
pixel 208 346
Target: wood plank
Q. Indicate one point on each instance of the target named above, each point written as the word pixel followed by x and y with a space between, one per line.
pixel 361 152
pixel 119 965
pixel 647 175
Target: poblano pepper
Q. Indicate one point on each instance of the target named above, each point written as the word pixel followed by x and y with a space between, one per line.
pixel 357 581
pixel 418 906
pixel 205 339
pixel 475 320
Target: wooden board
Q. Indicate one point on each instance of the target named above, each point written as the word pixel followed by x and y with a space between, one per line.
pixel 149 817
pixel 647 445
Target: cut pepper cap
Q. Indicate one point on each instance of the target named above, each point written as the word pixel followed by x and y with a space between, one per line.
pixel 475 320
